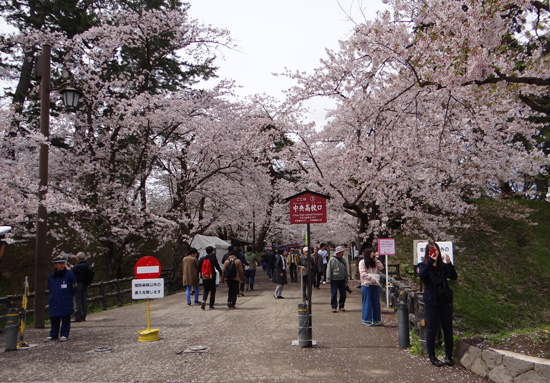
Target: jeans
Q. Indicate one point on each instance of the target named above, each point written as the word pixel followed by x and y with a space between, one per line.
pixel 188 294
pixel 81 302
pixel 335 287
pixel 371 303
pixel 249 276
pixel 65 326
pixel 209 286
pixel 436 315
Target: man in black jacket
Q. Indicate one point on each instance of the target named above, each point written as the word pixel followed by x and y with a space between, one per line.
pixel 209 284
pixel 80 270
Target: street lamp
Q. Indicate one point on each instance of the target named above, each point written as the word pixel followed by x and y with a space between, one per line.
pixel 70 98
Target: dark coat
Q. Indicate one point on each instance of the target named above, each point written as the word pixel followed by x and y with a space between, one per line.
pixel 80 270
pixel 277 278
pixel 62 285
pixel 213 261
pixel 430 294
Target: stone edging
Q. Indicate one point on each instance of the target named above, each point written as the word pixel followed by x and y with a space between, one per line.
pixel 501 366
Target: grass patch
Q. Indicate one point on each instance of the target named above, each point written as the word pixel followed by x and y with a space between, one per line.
pixel 503 262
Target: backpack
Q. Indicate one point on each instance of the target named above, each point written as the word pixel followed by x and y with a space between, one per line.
pixel 230 271
pixel 206 269
pixel 90 271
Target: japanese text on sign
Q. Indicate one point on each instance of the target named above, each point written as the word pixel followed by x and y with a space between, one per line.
pixel 308 208
pixel 147 288
pixel 445 247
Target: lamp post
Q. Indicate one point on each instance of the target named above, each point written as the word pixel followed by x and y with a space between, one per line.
pixel 43 69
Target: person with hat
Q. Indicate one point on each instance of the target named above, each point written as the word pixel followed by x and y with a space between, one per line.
pixel 62 286
pixel 337 277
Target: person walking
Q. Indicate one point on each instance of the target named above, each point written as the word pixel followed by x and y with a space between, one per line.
pixel 369 268
pixel 438 301
pixel 279 273
pixel 323 253
pixel 316 275
pixel 81 269
pixel 62 286
pixel 250 270
pixel 190 274
pixel 234 275
pixel 306 264
pixel 291 260
pixel 337 276
pixel 269 259
pixel 208 265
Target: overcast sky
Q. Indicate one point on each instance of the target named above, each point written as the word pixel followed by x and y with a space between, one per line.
pixel 276 35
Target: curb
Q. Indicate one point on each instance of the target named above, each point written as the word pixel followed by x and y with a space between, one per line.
pixel 501 366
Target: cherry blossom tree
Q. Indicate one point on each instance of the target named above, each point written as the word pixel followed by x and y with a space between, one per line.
pixel 435 108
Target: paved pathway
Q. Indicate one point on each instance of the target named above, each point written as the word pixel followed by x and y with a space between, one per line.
pixel 252 343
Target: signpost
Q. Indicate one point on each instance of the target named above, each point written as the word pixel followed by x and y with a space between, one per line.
pixel 307 207
pixel 446 248
pixel 148 286
pixel 386 246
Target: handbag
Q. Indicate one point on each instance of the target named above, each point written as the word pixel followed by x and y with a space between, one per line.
pixel 376 277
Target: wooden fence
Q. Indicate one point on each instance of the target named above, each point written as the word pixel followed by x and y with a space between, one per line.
pixel 101 295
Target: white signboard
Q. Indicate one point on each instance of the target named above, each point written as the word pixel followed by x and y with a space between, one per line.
pixel 147 288
pixel 445 247
pixel 386 246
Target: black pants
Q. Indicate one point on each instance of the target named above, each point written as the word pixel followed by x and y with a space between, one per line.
pixel 437 315
pixel 233 291
pixel 209 286
pixel 293 274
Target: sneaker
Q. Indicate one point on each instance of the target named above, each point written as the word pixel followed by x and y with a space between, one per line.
pixel 280 297
pixel 49 339
pixel 448 361
pixel 334 310
pixel 212 307
pixel 342 309
pixel 324 283
pixel 188 303
pixel 203 305
pixel 376 323
pixel 436 362
pixel 63 339
pixel 369 324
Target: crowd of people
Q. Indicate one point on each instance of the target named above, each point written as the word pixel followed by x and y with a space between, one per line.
pixel 68 284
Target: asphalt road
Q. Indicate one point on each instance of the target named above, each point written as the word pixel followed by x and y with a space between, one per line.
pixel 253 343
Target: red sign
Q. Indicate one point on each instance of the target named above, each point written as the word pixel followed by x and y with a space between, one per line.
pixel 308 208
pixel 147 268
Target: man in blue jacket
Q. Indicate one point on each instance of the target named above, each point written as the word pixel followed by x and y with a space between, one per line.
pixel 62 285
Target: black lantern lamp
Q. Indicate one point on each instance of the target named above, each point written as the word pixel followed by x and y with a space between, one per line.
pixel 70 96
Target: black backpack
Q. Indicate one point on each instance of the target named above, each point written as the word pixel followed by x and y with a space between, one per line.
pixel 230 271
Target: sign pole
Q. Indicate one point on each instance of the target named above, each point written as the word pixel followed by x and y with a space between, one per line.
pixel 307 207
pixel 387 285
